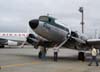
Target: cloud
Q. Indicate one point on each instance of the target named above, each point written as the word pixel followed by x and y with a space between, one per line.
pixel 15 14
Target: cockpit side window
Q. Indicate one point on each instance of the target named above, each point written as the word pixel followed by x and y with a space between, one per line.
pixel 43 18
pixel 49 19
pixel 67 29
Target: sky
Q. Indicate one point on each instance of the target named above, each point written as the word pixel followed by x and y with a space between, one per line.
pixel 15 14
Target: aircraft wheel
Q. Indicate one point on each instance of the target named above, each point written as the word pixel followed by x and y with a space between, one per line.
pixel 55 56
pixel 40 55
pixel 81 56
pixel 2 46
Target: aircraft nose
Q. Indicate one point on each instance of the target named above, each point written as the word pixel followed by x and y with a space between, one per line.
pixel 33 23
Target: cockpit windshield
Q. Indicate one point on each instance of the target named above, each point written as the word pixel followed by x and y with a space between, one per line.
pixel 44 18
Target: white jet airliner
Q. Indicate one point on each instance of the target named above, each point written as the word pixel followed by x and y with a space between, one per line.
pixel 12 39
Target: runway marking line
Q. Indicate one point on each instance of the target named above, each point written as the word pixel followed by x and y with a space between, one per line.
pixel 18 65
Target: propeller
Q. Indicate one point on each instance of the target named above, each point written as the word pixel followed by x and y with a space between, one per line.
pixel 78 40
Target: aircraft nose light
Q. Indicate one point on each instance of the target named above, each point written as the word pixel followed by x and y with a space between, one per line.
pixel 34 23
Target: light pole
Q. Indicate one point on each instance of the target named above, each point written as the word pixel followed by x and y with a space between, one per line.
pixel 82 18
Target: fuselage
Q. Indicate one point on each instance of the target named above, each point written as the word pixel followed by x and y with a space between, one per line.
pixel 50 29
pixel 13 36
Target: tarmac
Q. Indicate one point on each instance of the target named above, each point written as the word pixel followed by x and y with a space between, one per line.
pixel 26 60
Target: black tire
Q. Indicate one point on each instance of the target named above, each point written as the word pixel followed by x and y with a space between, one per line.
pixel 40 55
pixel 81 56
pixel 2 46
pixel 55 56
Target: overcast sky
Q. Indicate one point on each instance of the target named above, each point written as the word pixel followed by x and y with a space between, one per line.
pixel 15 14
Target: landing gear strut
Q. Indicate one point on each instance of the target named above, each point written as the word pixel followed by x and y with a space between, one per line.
pixel 56 49
pixel 42 53
pixel 81 56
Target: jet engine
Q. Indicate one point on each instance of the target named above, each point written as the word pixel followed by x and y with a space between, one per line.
pixel 12 43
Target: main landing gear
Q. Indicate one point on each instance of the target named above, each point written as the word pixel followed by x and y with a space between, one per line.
pixel 81 56
pixel 42 53
pixel 56 49
pixel 2 46
pixel 56 54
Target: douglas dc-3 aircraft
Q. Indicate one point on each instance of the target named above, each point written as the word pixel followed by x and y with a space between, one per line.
pixel 59 35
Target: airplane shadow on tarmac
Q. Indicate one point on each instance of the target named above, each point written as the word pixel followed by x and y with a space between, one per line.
pixel 47 58
pixel 50 58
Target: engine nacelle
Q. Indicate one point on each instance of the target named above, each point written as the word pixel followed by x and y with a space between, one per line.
pixel 83 37
pixel 12 43
pixel 74 34
pixel 32 40
pixel 76 37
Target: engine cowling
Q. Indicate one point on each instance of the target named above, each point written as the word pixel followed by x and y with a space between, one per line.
pixel 32 40
pixel 83 37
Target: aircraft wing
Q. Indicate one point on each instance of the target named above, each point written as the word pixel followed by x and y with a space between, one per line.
pixel 88 43
pixel 95 42
pixel 11 42
pixel 3 41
